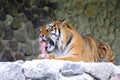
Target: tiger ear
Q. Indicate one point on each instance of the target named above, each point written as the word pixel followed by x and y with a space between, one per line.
pixel 62 20
pixel 63 24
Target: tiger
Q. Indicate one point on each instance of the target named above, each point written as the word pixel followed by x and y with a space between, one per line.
pixel 65 43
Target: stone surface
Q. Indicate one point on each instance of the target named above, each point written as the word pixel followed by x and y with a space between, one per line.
pixel 100 69
pixel 36 47
pixel 2 27
pixel 13 45
pixel 79 6
pixel 1 46
pixel 90 11
pixel 16 24
pixel 2 16
pixel 8 19
pixel 22 18
pixel 11 7
pixel 55 70
pixel 8 32
pixel 20 35
pixel 19 56
pixel 30 31
pixel 116 77
pixel 28 49
pixel 6 56
pixel 71 69
pixel 11 71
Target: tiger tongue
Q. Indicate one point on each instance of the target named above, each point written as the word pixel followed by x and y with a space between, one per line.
pixel 42 46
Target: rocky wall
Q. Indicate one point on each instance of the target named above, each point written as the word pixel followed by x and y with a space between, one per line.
pixel 20 21
pixel 58 70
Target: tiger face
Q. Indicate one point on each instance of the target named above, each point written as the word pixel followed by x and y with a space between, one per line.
pixel 50 33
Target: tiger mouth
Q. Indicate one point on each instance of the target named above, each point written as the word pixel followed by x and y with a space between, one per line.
pixel 50 41
pixel 50 45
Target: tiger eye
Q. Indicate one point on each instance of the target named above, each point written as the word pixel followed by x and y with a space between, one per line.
pixel 47 30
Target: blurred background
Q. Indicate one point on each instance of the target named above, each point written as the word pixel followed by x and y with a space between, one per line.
pixel 20 21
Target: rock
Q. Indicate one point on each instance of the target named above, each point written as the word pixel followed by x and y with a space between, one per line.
pixel 83 24
pixel 19 56
pixel 107 23
pixel 95 17
pixel 28 49
pixel 27 3
pixel 11 7
pixel 90 11
pixel 110 38
pixel 21 47
pixel 36 10
pixel 110 5
pixel 38 22
pixel 69 69
pixel 20 1
pixel 21 8
pixel 2 16
pixel 29 15
pixel 43 70
pixel 115 47
pixel 102 31
pixel 46 8
pixel 77 77
pixel 100 21
pixel 111 29
pixel 11 71
pixel 100 69
pixel 41 3
pixel 116 42
pixel 2 27
pixel 7 56
pixel 8 32
pixel 54 69
pixel 1 47
pixel 116 77
pixel 36 47
pixel 31 34
pixel 79 6
pixel 117 60
pixel 1 5
pixel 117 22
pixel 52 5
pixel 16 24
pixel 13 45
pixel 20 35
pixel 22 18
pixel 117 32
pixel 9 19
pixel 87 30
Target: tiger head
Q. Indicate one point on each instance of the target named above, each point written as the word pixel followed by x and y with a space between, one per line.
pixel 55 35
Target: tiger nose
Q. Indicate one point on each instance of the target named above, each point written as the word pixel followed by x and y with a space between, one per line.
pixel 43 37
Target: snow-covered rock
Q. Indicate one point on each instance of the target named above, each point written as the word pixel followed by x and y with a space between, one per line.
pixel 11 71
pixel 58 70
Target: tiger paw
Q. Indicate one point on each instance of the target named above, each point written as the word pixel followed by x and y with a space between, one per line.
pixel 41 56
pixel 51 56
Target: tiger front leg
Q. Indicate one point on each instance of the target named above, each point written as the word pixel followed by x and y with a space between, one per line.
pixel 40 57
pixel 51 56
pixel 73 58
